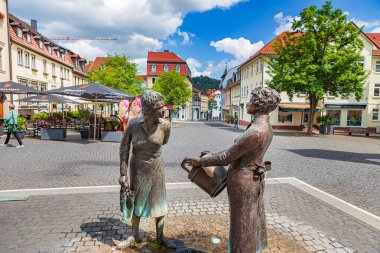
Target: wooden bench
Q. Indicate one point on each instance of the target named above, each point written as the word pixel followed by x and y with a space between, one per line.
pixel 354 130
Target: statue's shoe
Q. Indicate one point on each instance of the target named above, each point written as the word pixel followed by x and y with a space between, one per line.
pixel 129 242
pixel 164 242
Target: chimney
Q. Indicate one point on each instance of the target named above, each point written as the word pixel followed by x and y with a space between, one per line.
pixel 33 24
pixel 166 50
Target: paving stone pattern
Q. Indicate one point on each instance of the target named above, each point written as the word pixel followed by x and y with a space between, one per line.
pixel 346 166
pixel 91 222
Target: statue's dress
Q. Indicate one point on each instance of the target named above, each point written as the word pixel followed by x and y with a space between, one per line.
pixel 146 166
pixel 245 188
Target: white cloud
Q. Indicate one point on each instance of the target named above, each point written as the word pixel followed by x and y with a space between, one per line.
pixel 194 66
pixel 186 36
pixel 240 48
pixel 369 26
pixel 285 23
pixel 211 67
pixel 141 65
pixel 155 19
pixel 85 49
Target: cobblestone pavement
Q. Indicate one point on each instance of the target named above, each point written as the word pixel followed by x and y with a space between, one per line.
pixel 91 223
pixel 345 166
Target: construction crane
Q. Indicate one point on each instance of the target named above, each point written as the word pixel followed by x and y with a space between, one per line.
pixel 81 38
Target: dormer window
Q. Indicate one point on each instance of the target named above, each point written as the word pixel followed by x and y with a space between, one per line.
pixel 40 44
pixel 28 38
pixel 63 56
pixel 153 67
pixel 19 32
pixel 58 54
pixel 166 67
pixel 49 49
pixel 178 68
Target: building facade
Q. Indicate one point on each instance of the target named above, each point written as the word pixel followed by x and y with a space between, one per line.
pixel 346 112
pixel 230 78
pixel 5 69
pixel 160 62
pixel 40 63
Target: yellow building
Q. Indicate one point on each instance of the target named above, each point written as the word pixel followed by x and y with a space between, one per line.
pixel 346 112
pixel 204 106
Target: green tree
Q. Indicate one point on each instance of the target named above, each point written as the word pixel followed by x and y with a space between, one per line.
pixel 174 88
pixel 119 73
pixel 212 104
pixel 322 56
pixel 204 83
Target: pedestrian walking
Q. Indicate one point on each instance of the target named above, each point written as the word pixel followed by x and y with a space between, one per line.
pixel 11 122
pixel 236 123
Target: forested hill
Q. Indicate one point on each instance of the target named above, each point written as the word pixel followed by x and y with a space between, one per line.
pixel 204 83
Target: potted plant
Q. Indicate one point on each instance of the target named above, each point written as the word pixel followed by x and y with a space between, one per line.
pixel 21 126
pixel 84 117
pixel 325 122
pixel 111 131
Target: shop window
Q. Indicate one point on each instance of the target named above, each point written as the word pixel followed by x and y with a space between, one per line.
pixel 376 90
pixel 375 114
pixel 335 114
pixel 285 117
pixel 354 118
pixel 166 67
pixel 377 66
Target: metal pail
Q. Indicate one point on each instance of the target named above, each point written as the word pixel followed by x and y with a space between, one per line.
pixel 210 179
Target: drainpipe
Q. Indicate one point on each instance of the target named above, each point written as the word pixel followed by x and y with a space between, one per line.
pixel 9 46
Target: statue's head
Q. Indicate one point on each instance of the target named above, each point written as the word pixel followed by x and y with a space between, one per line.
pixel 263 100
pixel 152 103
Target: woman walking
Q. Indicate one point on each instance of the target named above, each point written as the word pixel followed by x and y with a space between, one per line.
pixel 11 122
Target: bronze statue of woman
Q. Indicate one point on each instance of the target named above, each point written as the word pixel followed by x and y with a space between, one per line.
pixel 245 176
pixel 144 137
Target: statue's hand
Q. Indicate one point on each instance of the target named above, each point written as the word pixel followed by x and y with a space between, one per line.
pixel 123 182
pixel 194 161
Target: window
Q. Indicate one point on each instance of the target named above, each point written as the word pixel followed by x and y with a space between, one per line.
pixel 58 54
pixel 27 60
pixel 33 61
pixel 63 56
pixel 257 67
pixel 40 44
pixel 153 67
pixel 178 68
pixel 261 66
pixel 19 32
pixel 166 67
pixel 68 74
pixel 28 38
pixel 335 115
pixel 375 114
pixel 354 118
pixel 285 117
pixel 361 62
pixel 377 66
pixel 43 87
pixel 44 66
pixel 49 50
pixel 53 69
pixel 376 90
pixel 61 72
pixel 19 57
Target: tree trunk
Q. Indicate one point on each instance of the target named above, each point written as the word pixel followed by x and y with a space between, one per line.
pixel 313 105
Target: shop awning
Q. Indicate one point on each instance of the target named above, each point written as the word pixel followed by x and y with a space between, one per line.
pixel 290 107
pixel 350 106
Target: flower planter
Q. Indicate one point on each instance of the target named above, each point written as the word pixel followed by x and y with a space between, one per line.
pixel 53 134
pixel 323 129
pixel 111 136
pixel 84 134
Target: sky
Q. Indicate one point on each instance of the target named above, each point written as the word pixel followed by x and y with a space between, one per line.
pixel 208 34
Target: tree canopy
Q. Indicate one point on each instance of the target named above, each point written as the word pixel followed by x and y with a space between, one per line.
pixel 321 56
pixel 174 88
pixel 205 83
pixel 119 73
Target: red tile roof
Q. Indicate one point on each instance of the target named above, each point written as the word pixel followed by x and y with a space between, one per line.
pixel 95 65
pixel 375 38
pixel 267 49
pixel 376 52
pixel 168 57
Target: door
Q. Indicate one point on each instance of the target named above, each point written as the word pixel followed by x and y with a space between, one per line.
pixel 1 109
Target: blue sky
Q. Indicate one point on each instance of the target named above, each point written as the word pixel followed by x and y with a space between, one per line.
pixel 208 34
